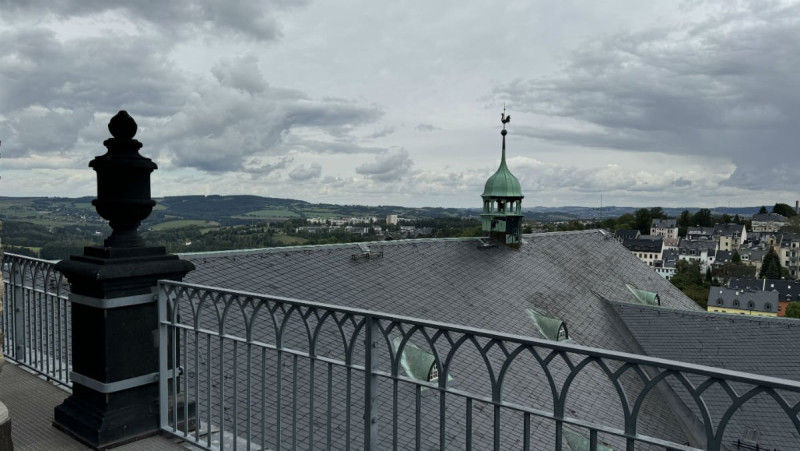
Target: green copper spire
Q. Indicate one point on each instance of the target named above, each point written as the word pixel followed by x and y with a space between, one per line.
pixel 502 183
pixel 502 201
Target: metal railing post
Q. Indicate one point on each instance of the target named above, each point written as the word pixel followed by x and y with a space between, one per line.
pixel 163 404
pixel 371 334
pixel 18 309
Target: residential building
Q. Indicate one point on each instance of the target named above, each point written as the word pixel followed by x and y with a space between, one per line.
pixel 391 219
pixel 698 233
pixel 624 234
pixel 769 222
pixel 668 228
pixel 742 301
pixel 789 252
pixel 666 268
pixel 729 236
pixel 702 251
pixel 788 290
pixel 647 248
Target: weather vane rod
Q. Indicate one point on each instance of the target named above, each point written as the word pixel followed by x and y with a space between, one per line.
pixel 503 118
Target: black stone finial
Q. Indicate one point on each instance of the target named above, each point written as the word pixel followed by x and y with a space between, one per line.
pixel 123 184
pixel 122 126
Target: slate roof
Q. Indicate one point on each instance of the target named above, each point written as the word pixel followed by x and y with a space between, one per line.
pixel 788 290
pixel 729 229
pixel 461 281
pixel 770 217
pixel 554 273
pixel 664 224
pixel 759 301
pixel 567 276
pixel 699 245
pixel 626 234
pixel 644 244
pixel 723 257
pixel 670 258
pixel 735 342
pixel 699 231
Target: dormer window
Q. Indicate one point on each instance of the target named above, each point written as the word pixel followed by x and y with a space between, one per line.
pixel 736 303
pixel 719 301
pixel 418 363
pixel 767 307
pixel 550 328
pixel 751 305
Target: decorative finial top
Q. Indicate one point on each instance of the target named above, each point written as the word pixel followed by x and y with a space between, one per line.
pixel 122 126
pixel 504 120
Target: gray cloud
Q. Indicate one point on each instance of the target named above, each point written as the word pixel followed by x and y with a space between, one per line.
pixel 388 166
pixel 240 73
pixel 386 131
pixel 58 97
pixel 186 17
pixel 304 172
pixel 726 86
pixel 426 127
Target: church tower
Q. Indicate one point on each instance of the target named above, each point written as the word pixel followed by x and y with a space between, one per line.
pixel 502 201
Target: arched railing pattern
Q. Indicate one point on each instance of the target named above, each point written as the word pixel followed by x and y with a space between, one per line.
pixel 36 317
pixel 329 377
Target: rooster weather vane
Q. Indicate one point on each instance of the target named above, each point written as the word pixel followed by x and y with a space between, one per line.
pixel 503 118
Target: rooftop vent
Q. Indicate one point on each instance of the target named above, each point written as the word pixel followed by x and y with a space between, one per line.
pixel 365 252
pixel 485 243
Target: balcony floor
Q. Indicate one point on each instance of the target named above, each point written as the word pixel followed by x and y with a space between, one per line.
pixel 30 401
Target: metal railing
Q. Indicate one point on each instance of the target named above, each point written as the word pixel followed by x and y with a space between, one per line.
pixel 36 317
pixel 263 372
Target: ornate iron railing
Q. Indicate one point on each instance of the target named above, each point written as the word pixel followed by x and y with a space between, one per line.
pixel 36 317
pixel 263 372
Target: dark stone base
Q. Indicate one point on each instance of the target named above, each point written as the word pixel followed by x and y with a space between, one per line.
pixel 106 421
pixel 5 430
pixel 106 273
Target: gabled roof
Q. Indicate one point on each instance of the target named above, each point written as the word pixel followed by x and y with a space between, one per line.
pixel 759 301
pixel 664 224
pixel 462 281
pixel 770 217
pixel 700 231
pixel 625 233
pixel 697 245
pixel 788 290
pixel 729 229
pixel 644 244
pixel 557 274
pixel 735 342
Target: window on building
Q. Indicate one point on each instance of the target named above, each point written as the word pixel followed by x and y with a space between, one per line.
pixel 751 305
pixel 736 303
pixel 767 307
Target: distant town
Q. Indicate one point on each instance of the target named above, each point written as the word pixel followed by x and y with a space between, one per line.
pixel 740 260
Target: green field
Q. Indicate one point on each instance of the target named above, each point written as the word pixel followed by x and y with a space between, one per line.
pixel 271 213
pixel 287 240
pixel 180 223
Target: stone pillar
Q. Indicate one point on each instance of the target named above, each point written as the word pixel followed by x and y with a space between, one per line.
pixel 114 310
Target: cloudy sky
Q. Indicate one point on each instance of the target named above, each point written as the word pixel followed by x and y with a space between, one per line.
pixel 670 103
